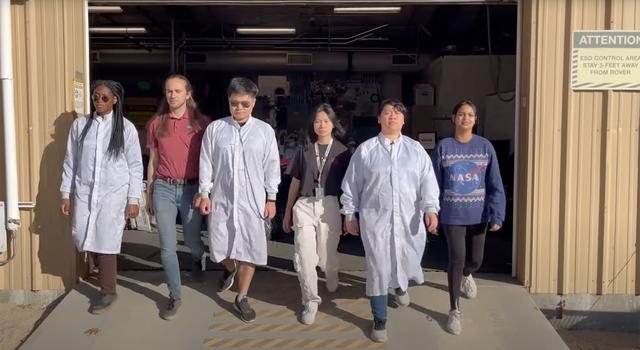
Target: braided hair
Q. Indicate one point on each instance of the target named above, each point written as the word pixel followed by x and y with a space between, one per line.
pixel 116 143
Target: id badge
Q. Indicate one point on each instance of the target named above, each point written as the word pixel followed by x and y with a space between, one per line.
pixel 319 192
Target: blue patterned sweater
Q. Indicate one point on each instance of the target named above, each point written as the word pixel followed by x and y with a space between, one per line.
pixel 471 190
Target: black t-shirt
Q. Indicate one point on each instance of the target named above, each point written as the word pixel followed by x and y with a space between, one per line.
pixel 304 168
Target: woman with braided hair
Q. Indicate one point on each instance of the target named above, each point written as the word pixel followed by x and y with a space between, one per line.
pixel 103 170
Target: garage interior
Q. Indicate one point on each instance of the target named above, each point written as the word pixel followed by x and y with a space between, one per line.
pixel 429 56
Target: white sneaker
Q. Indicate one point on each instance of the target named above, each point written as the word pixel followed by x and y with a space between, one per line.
pixel 402 297
pixel 454 326
pixel 468 287
pixel 309 314
pixel 379 331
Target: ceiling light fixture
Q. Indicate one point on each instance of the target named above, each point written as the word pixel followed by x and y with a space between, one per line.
pixel 367 10
pixel 105 9
pixel 265 31
pixel 117 30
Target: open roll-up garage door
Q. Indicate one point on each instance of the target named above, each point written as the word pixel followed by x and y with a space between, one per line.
pixel 428 54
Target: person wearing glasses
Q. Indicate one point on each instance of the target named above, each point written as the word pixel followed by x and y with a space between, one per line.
pixel 313 209
pixel 472 200
pixel 390 183
pixel 239 178
pixel 174 137
pixel 102 171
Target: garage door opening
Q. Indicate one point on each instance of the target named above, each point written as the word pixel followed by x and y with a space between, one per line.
pixel 429 56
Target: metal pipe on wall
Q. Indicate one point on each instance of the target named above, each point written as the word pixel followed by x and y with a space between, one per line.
pixel 516 140
pixel 173 46
pixel 8 114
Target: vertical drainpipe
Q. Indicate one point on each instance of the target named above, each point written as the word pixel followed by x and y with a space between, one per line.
pixel 8 113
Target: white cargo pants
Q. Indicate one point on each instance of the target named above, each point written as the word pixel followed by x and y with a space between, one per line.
pixel 317 225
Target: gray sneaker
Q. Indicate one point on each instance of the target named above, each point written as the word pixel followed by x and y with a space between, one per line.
pixel 468 287
pixel 247 314
pixel 103 304
pixel 454 326
pixel 227 279
pixel 172 309
pixel 379 331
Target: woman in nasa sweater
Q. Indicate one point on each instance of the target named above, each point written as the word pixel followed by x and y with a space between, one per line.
pixel 472 201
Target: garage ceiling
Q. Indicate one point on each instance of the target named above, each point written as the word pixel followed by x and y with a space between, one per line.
pixel 431 29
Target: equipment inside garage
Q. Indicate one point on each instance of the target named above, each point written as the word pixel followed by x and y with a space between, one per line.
pixel 429 56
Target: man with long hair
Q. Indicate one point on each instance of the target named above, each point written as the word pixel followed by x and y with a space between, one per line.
pixel 174 136
pixel 103 170
pixel 239 177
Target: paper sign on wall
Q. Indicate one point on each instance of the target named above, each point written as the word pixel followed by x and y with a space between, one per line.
pixel 605 60
pixel 78 97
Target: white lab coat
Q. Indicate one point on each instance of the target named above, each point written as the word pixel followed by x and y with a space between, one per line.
pixel 239 167
pixel 100 185
pixel 391 186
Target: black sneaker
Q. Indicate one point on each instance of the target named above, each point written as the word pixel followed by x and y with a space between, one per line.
pixel 247 314
pixel 103 304
pixel 196 271
pixel 227 280
pixel 172 309
pixel 379 330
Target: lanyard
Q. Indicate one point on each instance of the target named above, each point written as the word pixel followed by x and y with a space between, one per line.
pixel 324 159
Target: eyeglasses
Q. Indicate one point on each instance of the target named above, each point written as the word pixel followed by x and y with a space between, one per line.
pixel 236 104
pixel 97 97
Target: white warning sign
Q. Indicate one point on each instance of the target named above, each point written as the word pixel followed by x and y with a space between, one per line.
pixel 605 60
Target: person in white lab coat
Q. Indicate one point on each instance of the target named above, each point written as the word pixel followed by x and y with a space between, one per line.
pixel 239 178
pixel 103 170
pixel 391 184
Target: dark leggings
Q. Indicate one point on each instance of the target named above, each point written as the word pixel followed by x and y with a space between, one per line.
pixel 107 271
pixel 461 239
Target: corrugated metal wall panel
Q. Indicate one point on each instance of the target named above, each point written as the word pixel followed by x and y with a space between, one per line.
pixel 48 42
pixel 626 14
pixel 582 192
pixel 578 215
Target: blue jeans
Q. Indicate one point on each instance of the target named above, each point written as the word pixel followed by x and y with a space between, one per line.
pixel 168 200
pixel 379 306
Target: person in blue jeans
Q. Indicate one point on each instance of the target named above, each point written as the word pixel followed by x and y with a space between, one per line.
pixel 472 201
pixel 391 185
pixel 174 137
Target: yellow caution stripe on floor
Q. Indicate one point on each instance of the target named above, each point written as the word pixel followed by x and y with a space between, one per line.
pixel 243 327
pixel 291 343
pixel 286 313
